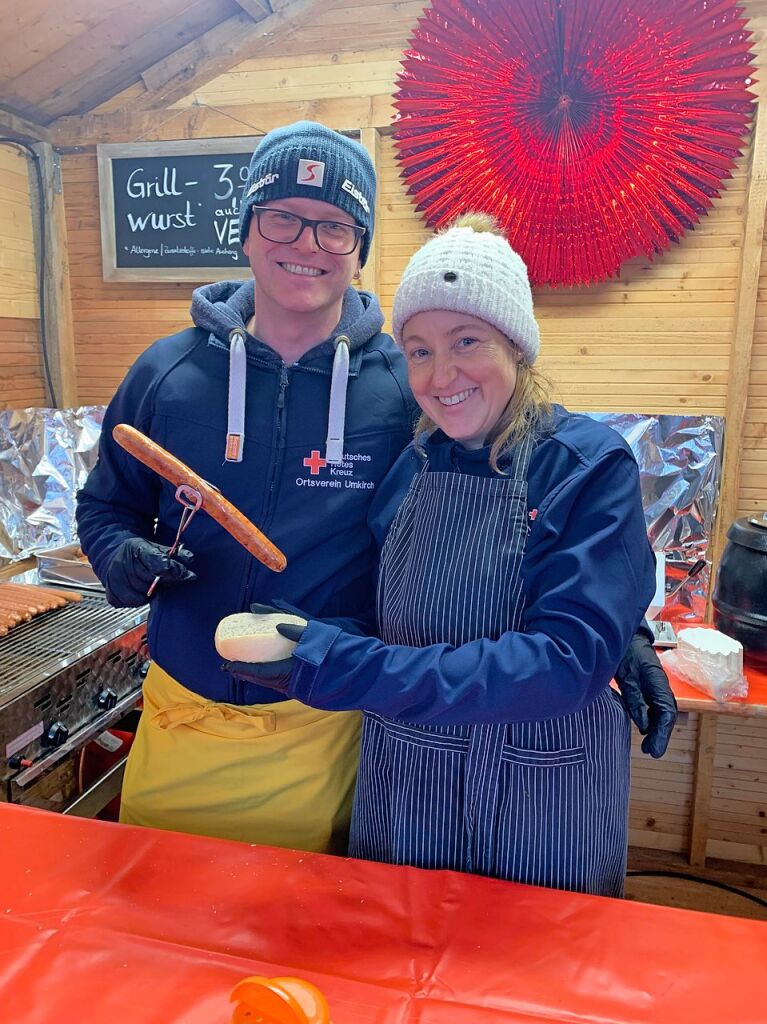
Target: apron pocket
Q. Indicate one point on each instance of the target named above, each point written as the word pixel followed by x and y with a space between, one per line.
pixel 424 736
pixel 544 758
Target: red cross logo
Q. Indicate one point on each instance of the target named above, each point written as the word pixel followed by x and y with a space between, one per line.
pixel 315 463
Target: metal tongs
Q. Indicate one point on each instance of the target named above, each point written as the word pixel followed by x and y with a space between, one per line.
pixel 695 570
pixel 191 500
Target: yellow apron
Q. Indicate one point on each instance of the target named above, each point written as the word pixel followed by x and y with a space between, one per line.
pixel 278 774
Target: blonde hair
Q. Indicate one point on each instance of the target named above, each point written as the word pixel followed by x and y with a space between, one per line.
pixel 530 404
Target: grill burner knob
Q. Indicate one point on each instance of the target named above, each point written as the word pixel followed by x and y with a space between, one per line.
pixel 56 734
pixel 16 761
pixel 106 699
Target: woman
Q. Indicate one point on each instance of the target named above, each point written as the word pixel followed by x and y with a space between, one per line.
pixel 492 740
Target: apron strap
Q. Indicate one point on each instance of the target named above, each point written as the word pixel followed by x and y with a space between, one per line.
pixel 483 762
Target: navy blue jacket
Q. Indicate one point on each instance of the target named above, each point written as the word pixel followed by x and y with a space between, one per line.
pixel 176 392
pixel 588 574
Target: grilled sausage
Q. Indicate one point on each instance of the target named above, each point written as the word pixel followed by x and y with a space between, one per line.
pixel 214 503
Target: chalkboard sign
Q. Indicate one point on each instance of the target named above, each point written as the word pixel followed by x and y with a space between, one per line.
pixel 170 210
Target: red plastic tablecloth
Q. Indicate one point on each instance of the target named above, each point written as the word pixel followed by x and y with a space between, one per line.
pixel 106 923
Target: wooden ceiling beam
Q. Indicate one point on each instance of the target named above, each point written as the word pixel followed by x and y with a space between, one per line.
pixel 109 72
pixel 218 51
pixel 18 128
pixel 257 9
pixel 340 112
pixel 176 75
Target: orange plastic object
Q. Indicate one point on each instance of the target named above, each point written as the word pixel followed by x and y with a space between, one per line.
pixel 279 1001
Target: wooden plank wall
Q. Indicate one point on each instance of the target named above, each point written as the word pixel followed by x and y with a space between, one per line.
pixel 662 791
pixel 737 816
pixel 654 340
pixel 752 496
pixel 734 824
pixel 113 321
pixel 624 344
pixel 21 373
pixel 657 339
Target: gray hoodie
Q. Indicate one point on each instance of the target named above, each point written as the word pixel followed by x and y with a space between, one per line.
pixel 224 309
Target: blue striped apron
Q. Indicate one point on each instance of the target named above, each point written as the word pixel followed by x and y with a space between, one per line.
pixel 544 803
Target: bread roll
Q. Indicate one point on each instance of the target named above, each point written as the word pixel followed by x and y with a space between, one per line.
pixel 250 637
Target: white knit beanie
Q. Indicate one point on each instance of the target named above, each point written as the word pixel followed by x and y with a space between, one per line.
pixel 473 272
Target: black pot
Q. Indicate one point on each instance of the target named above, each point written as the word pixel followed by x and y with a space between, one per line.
pixel 740 594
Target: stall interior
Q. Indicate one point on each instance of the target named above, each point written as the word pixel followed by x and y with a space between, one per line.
pixel 673 349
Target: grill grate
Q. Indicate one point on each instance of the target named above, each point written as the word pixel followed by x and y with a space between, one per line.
pixel 36 650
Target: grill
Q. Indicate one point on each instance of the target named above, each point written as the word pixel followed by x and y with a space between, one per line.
pixel 65 676
pixel 38 649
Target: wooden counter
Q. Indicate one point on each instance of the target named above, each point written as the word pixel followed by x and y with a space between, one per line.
pixel 708 796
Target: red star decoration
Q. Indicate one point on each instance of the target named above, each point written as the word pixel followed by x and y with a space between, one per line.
pixel 593 130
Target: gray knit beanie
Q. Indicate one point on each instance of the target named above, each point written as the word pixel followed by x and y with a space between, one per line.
pixel 309 161
pixel 474 272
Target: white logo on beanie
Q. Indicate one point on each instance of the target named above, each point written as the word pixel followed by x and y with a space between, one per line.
pixel 268 179
pixel 310 172
pixel 351 188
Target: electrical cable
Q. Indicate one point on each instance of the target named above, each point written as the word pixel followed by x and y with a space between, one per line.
pixel 701 881
pixel 42 255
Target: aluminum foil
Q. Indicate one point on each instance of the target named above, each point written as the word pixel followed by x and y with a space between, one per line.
pixel 680 463
pixel 45 456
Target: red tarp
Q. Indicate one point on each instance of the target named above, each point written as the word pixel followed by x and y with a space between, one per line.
pixel 118 925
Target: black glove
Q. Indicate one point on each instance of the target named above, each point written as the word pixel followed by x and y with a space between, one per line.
pixel 645 688
pixel 273 674
pixel 135 565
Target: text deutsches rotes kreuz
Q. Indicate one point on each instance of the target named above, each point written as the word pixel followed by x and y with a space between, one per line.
pixel 338 475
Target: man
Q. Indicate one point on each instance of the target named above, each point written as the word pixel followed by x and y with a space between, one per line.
pixel 288 398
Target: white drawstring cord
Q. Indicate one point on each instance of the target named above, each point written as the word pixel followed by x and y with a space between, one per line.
pixel 238 380
pixel 334 446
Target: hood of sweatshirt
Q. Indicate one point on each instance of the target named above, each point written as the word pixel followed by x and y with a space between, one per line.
pixel 222 307
pixel 223 310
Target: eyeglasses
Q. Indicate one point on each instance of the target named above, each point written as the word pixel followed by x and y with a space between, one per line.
pixel 331 235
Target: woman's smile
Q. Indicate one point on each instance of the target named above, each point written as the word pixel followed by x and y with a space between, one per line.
pixel 456 399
